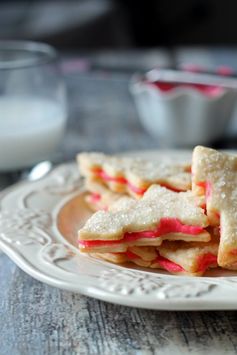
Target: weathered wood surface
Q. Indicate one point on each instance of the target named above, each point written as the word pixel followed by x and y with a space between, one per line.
pixel 38 319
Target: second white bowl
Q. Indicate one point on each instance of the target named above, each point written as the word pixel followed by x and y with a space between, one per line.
pixel 182 116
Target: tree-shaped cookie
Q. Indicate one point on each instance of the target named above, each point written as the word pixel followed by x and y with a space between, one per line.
pixel 159 214
pixel 214 174
pixel 133 175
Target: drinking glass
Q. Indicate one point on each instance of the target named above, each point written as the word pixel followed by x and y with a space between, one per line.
pixel 33 108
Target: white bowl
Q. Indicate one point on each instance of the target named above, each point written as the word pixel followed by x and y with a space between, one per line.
pixel 182 116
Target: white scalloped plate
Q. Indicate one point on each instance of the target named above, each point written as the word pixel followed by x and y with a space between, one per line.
pixel 38 224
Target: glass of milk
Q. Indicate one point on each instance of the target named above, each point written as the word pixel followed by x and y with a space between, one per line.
pixel 32 104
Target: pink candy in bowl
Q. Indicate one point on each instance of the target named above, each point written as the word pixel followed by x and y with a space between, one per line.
pixel 184 113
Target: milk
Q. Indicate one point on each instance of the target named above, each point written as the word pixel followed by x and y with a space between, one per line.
pixel 30 130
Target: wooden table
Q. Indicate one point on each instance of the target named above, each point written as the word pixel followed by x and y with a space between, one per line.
pixel 38 319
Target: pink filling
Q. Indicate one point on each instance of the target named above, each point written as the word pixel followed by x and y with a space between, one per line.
pixel 205 261
pixel 121 180
pixel 208 90
pixel 167 225
pixel 106 177
pixel 207 186
pixel 165 263
pixel 136 189
pixel 169 265
pixel 131 255
pixel 94 197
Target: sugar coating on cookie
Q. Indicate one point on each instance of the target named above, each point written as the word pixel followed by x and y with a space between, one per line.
pixel 214 174
pixel 159 214
pixel 133 175
pixel 99 197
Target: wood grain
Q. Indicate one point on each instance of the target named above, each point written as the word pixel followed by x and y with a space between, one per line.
pixel 38 319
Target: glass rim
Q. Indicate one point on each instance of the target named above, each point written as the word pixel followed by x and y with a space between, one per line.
pixel 47 54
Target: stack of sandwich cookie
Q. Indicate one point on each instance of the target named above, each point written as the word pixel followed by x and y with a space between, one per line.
pixel 132 175
pixel 169 224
